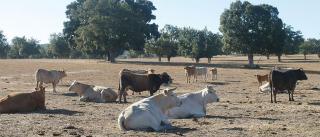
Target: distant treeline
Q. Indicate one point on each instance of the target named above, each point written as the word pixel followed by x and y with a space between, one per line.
pixel 106 28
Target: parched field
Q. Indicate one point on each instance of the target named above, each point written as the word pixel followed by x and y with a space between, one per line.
pixel 242 110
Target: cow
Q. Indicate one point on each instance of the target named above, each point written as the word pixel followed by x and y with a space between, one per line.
pixel 141 82
pixel 285 80
pixel 23 102
pixel 148 71
pixel 49 76
pixel 91 93
pixel 262 78
pixel 190 71
pixel 149 113
pixel 201 71
pixel 214 73
pixel 194 104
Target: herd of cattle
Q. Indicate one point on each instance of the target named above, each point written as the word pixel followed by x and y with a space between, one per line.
pixel 152 112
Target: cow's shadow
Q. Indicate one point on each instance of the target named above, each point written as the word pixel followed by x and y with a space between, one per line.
pixel 240 117
pixel 180 131
pixel 58 112
pixel 70 94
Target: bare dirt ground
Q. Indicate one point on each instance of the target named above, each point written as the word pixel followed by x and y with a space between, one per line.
pixel 242 110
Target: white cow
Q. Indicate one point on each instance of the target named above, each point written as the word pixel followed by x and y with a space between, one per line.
pixel 91 93
pixel 194 104
pixel 202 71
pixel 149 113
pixel 49 76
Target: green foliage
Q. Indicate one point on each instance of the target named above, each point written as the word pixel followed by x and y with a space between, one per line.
pixel 109 26
pixel 24 48
pixel 59 46
pixel 4 46
pixel 292 40
pixel 311 46
pixel 252 29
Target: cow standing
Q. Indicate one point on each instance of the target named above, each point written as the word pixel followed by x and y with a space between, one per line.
pixel 141 82
pixel 285 80
pixel 49 76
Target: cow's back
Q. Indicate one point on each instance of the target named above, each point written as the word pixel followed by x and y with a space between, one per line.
pixel 18 102
pixel 46 76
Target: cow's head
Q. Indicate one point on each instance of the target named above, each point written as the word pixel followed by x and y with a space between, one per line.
pixel 165 78
pixel 209 94
pixel 170 98
pixel 74 86
pixel 301 75
pixel 63 73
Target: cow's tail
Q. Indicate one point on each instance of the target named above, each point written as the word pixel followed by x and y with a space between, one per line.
pixel 121 121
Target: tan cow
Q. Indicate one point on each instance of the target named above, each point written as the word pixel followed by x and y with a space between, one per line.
pixel 49 76
pixel 149 113
pixel 23 102
pixel 262 78
pixel 214 73
pixel 190 71
pixel 93 93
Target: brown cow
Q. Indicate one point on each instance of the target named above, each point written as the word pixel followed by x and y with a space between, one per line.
pixel 214 73
pixel 190 71
pixel 23 102
pixel 262 78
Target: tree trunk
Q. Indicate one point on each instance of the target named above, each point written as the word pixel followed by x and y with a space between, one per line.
pixel 159 58
pixel 197 60
pixel 108 56
pixel 209 60
pixel 318 55
pixel 111 57
pixel 279 58
pixel 305 56
pixel 250 59
pixel 168 58
pixel 268 56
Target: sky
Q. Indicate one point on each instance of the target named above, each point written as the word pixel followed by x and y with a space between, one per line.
pixel 39 18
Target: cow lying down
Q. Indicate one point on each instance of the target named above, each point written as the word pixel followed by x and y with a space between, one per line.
pixel 149 113
pixel 23 102
pixel 194 104
pixel 91 93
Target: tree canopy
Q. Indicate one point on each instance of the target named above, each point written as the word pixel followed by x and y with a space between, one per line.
pixel 110 26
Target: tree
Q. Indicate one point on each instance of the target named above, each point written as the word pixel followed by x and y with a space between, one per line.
pixel 248 29
pixel 311 46
pixel 110 26
pixel 59 46
pixel 4 46
pixel 24 48
pixel 292 40
pixel 213 45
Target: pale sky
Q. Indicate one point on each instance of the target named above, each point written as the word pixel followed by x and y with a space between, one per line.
pixel 40 18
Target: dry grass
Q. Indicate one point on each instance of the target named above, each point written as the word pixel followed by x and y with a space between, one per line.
pixel 243 111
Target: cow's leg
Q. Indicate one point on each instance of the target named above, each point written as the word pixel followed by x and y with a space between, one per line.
pixel 292 95
pixel 271 94
pixel 289 93
pixel 54 87
pixel 275 95
pixel 37 85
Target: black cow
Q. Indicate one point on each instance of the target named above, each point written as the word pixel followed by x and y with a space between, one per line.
pixel 285 80
pixel 141 82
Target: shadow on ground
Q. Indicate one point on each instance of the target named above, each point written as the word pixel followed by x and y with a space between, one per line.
pixel 59 112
